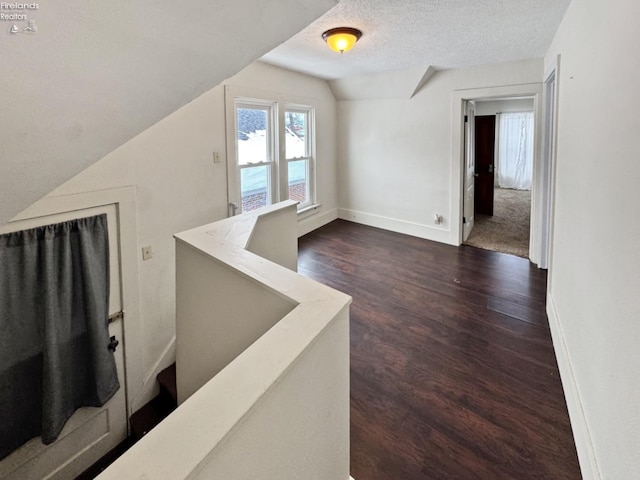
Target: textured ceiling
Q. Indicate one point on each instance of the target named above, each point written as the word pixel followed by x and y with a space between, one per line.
pixel 399 34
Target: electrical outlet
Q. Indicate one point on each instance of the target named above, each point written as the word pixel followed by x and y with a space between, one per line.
pixel 216 157
pixel 147 253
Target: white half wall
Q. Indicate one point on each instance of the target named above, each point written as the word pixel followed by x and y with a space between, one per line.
pixel 178 186
pixel 594 277
pixel 221 311
pixel 279 409
pixel 395 156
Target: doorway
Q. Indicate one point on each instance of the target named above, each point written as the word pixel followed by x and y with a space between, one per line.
pixel 91 432
pixel 460 98
pixel 97 429
pixel 503 148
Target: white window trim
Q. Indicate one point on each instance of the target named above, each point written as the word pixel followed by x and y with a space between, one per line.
pixel 309 110
pixel 233 168
pixel 279 104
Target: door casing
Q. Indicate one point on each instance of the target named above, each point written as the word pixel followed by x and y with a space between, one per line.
pixel 124 201
pixel 459 99
pixel 469 170
pixel 548 166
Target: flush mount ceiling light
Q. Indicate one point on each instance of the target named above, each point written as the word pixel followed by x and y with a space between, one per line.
pixel 341 39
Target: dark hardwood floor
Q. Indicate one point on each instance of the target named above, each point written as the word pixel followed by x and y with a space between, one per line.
pixel 453 373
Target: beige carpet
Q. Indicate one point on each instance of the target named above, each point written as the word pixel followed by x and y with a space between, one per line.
pixel 508 230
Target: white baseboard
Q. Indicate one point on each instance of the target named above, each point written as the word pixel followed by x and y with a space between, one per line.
pixel 150 387
pixel 317 220
pixel 579 424
pixel 435 233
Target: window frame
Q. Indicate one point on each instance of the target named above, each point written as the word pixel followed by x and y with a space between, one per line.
pixel 272 147
pixel 309 111
pixel 238 97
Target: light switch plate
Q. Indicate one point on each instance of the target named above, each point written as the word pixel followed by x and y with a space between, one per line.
pixel 147 253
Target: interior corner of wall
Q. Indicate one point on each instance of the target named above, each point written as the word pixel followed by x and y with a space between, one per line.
pixel 315 221
pixel 149 387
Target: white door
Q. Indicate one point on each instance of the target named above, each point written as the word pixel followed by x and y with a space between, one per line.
pixel 91 432
pixel 469 170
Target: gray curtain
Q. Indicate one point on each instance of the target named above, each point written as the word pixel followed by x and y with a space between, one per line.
pixel 54 339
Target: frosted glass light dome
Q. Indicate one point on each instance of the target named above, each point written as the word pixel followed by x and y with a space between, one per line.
pixel 341 39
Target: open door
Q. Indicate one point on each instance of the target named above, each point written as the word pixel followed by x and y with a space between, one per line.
pixel 548 169
pixel 485 138
pixel 91 432
pixel 469 169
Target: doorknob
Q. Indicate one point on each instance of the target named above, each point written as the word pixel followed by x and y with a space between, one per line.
pixel 113 344
pixel 476 174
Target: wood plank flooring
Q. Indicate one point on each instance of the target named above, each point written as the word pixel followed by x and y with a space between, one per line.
pixel 453 373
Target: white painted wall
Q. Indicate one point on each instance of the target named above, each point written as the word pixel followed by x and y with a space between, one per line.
pixel 179 187
pixel 404 149
pixel 594 306
pixel 280 408
pixel 221 311
pixel 97 74
pixel 400 84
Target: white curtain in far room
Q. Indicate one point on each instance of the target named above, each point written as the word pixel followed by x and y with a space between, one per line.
pixel 515 150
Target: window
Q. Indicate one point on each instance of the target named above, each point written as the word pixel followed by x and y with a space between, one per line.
pixel 298 154
pixel 270 155
pixel 515 152
pixel 255 157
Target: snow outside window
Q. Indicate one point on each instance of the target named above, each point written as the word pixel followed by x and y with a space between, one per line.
pixel 274 144
pixel 298 154
pixel 255 154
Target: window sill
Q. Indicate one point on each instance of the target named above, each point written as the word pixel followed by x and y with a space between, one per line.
pixel 308 211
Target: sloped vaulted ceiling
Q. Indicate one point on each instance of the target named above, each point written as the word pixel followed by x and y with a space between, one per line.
pixel 95 74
